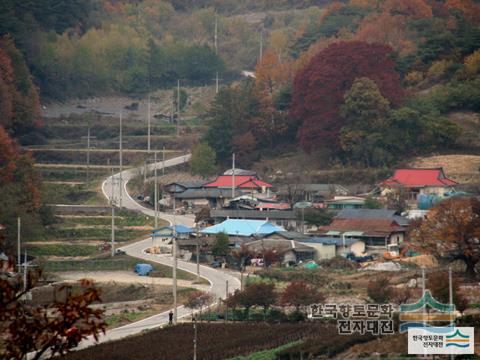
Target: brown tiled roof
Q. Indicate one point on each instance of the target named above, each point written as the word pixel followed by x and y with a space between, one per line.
pixel 370 227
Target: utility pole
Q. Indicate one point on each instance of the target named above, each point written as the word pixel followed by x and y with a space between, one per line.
pixel 88 152
pixel 88 137
pixel 195 338
pixel 226 296
pixel 216 35
pixel 155 191
pixel 233 176
pixel 198 255
pixel 174 253
pixel 112 204
pixel 149 122
pixel 19 235
pixel 450 299
pixel 216 51
pixel 25 265
pixel 144 175
pixel 423 294
pixel 178 107
pixel 261 45
pixel 121 162
pixel 163 160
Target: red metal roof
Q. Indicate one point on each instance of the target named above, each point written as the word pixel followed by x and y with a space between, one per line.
pixel 241 181
pixel 276 206
pixel 418 178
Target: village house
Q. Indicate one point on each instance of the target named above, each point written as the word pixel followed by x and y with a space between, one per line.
pixel 314 193
pixel 247 183
pixel 329 247
pixel 287 219
pixel 345 202
pixel 242 230
pixel 418 181
pixel 377 228
pixel 287 235
pixel 289 252
pixel 214 198
pixel 164 235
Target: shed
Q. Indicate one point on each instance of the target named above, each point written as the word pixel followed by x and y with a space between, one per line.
pixel 329 247
pixel 289 251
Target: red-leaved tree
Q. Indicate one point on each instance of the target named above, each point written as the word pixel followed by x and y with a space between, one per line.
pixel 319 87
pixel 300 294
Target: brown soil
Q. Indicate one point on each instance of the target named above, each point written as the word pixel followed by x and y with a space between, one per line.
pixel 387 346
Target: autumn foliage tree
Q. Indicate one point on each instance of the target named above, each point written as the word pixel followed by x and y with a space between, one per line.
pixel 415 9
pixel 57 328
pixel 198 300
pixel 437 284
pixel 19 101
pixel 300 294
pixel 452 231
pixel 258 294
pixel 319 88
pixel 20 186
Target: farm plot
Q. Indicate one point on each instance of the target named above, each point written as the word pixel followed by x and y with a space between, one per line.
pixel 122 303
pixel 85 237
pixel 217 341
pixel 107 263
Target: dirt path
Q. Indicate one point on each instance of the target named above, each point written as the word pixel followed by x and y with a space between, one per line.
pixel 124 277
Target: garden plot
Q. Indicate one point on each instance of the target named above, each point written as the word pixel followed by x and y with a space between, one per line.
pixel 122 302
pixel 85 237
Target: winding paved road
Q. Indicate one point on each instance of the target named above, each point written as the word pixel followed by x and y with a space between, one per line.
pixel 216 278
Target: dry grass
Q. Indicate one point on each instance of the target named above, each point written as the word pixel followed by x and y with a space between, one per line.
pixel 461 168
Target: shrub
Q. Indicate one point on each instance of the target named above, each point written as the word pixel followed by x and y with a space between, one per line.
pixel 339 263
pixel 379 290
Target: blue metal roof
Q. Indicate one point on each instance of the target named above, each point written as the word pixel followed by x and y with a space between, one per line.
pixel 243 227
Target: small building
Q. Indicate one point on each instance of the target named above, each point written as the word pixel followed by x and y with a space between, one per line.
pixel 248 183
pixel 166 233
pixel 243 228
pixel 432 181
pixel 287 235
pixel 345 202
pixel 212 197
pixel 329 247
pixel 285 218
pixel 289 252
pixel 376 227
pixel 314 193
pixel 182 186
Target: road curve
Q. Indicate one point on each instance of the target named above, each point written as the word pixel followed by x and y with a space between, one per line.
pixel 218 279
pixel 129 203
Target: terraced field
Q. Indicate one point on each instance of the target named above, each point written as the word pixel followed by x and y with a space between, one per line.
pixel 72 174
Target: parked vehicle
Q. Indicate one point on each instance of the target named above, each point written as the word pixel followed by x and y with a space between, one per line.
pixel 359 259
pixel 120 252
pixel 216 264
pixel 257 262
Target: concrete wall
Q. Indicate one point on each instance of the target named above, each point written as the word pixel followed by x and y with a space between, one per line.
pixel 322 252
pixel 358 247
